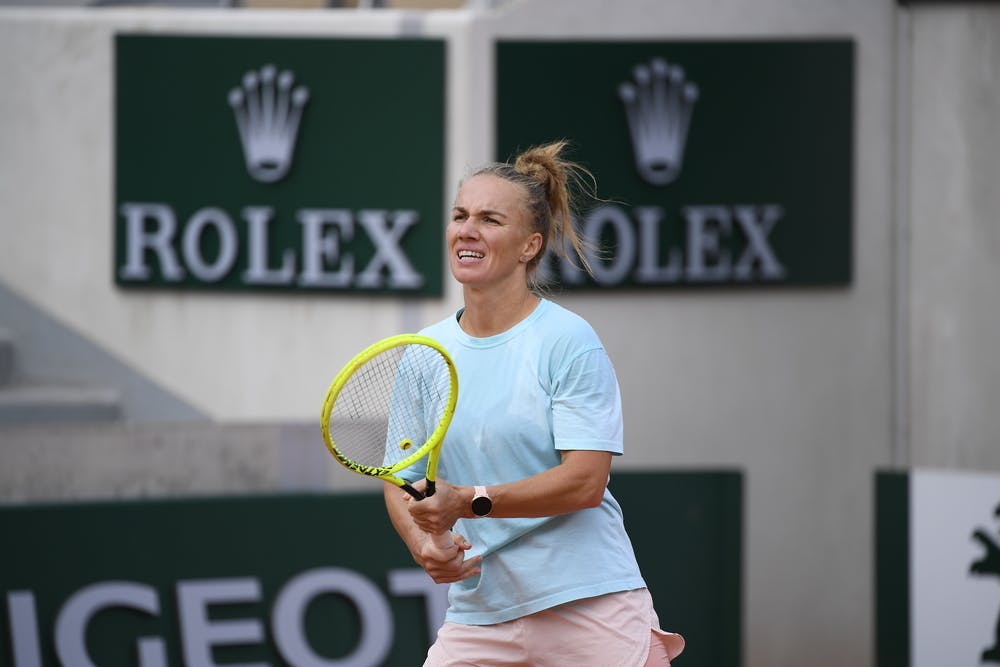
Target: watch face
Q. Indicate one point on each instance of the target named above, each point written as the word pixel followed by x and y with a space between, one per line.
pixel 481 505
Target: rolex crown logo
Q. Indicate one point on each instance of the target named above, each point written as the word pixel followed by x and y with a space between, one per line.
pixel 268 108
pixel 658 104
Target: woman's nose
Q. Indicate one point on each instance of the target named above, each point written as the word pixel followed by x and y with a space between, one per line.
pixel 468 229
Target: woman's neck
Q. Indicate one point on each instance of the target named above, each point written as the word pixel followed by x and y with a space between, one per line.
pixel 488 313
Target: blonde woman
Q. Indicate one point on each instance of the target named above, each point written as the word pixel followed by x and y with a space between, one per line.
pixel 542 572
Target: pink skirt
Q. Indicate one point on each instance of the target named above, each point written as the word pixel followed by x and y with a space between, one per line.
pixel 614 630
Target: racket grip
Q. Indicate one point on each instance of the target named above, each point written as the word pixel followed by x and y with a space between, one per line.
pixel 443 541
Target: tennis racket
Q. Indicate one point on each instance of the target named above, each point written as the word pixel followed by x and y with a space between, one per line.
pixel 389 408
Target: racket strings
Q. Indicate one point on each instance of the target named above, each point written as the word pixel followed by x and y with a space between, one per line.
pixel 390 405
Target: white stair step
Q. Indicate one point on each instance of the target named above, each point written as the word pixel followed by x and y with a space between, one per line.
pixel 6 356
pixel 27 403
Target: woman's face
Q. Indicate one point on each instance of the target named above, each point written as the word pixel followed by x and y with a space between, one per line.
pixel 489 236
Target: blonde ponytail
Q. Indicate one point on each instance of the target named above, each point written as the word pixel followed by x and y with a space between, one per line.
pixel 550 181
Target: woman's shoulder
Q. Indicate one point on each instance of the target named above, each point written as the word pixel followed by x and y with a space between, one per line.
pixel 559 315
pixel 443 328
pixel 569 327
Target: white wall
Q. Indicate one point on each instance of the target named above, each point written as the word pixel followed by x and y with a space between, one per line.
pixel 793 387
pixel 955 241
pixel 269 358
pixel 797 388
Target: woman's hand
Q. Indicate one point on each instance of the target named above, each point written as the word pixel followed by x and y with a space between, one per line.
pixel 448 565
pixel 438 513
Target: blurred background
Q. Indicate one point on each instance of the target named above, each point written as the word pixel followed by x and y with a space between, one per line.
pixel 806 308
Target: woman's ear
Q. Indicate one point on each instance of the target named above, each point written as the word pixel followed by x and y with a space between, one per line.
pixel 531 247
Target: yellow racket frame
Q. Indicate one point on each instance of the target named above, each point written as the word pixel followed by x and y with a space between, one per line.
pixel 431 448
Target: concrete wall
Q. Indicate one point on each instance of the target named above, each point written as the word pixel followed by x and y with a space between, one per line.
pixel 793 387
pixel 808 391
pixel 267 358
pixel 70 462
pixel 954 201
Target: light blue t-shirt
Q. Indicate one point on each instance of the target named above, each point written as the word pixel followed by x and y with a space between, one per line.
pixel 543 386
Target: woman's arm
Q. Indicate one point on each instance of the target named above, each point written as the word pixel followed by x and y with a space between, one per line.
pixel 577 483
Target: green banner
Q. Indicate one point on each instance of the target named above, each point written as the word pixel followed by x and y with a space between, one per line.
pixel 892 569
pixel 311 580
pixel 250 163
pixel 718 162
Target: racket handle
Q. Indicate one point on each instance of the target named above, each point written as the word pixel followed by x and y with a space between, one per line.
pixel 416 495
pixel 430 489
pixel 443 541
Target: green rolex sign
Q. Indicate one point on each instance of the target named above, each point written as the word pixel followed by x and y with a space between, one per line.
pixel 279 164
pixel 721 162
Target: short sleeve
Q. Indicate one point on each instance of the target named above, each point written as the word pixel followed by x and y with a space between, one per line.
pixel 586 405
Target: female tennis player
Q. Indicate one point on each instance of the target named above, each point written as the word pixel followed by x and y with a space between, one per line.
pixel 542 572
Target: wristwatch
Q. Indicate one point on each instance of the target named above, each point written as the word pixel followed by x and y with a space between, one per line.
pixel 481 502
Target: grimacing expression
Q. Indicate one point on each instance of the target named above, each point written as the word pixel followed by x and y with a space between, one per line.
pixel 490 237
